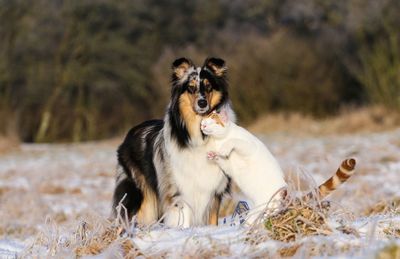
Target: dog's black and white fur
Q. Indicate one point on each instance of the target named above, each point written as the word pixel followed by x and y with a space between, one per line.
pixel 163 170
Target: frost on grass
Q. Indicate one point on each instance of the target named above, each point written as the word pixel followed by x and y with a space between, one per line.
pixel 55 201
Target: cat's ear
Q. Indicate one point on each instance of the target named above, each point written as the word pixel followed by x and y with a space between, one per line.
pixel 216 66
pixel 180 67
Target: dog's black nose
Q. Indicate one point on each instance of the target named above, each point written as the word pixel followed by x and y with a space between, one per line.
pixel 202 103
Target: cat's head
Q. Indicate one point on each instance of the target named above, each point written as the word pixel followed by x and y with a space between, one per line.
pixel 216 124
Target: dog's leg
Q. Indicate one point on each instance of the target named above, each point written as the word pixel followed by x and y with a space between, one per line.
pixel 176 212
pixel 148 212
pixel 214 210
pixel 128 195
pixel 178 215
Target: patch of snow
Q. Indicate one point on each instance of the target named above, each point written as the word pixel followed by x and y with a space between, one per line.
pixel 10 248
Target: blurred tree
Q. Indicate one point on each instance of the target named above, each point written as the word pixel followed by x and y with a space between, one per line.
pixel 377 62
pixel 103 50
pixel 80 70
pixel 11 13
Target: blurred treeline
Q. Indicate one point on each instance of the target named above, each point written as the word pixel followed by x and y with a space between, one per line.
pixel 82 69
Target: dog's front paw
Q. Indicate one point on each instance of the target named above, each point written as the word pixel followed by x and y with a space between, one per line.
pixel 178 203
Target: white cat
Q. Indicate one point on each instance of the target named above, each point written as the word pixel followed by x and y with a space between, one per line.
pixel 244 158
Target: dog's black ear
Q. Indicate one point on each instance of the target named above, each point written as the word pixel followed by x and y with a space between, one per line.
pixel 181 66
pixel 216 66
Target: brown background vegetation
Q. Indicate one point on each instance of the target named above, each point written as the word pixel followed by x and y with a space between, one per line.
pixel 83 70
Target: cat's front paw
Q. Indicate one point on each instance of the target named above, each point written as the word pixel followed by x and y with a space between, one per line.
pixel 224 153
pixel 211 155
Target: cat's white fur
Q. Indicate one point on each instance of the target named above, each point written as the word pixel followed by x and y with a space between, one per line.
pixel 247 161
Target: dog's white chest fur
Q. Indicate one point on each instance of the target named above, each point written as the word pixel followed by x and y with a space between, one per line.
pixel 197 179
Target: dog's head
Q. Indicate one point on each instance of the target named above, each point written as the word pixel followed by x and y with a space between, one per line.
pixel 205 88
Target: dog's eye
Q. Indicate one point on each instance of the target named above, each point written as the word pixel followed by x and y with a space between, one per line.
pixel 207 85
pixel 191 89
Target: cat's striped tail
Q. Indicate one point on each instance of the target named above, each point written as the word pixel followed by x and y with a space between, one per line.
pixel 343 173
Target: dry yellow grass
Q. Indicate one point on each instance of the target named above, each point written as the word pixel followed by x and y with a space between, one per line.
pixel 296 221
pixel 8 144
pixel 384 206
pixel 391 251
pixel 96 244
pixel 349 121
pixel 48 188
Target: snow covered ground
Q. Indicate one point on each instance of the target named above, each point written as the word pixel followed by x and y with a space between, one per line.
pixel 55 201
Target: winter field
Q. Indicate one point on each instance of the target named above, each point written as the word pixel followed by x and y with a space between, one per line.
pixel 55 202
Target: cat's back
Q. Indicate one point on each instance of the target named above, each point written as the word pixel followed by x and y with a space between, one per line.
pixel 242 133
pixel 258 160
pixel 260 153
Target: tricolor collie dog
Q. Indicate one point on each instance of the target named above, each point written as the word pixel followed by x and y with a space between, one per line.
pixel 163 172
